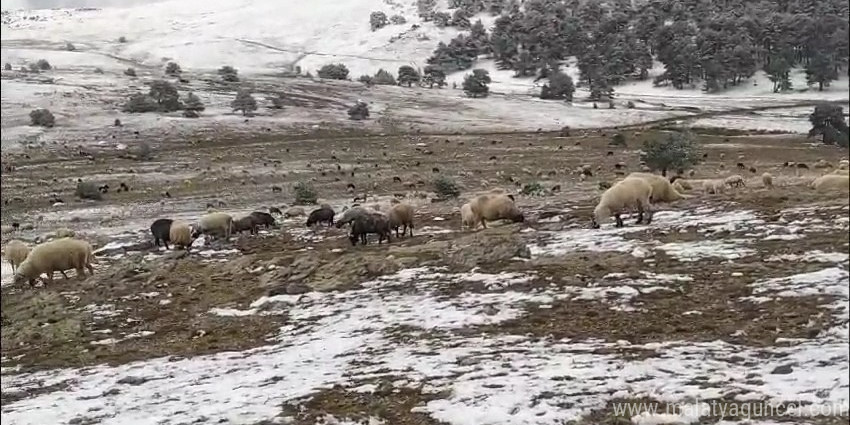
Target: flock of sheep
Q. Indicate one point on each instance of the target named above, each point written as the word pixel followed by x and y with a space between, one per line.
pixel 637 192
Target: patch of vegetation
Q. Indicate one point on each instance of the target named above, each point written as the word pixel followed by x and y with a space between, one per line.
pixel 42 118
pixel 560 87
pixel 446 188
pixel 383 78
pixel 228 74
pixel 828 121
pixel 377 20
pixel 476 84
pixel 678 150
pixel 333 71
pixel 88 190
pixel 360 111
pixel 619 139
pixel 130 72
pixel 407 75
pixel 162 97
pixel 244 102
pixel 43 65
pixel 533 189
pixel 305 194
pixel 172 68
pixel 192 106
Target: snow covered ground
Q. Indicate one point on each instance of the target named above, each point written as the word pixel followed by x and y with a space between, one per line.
pixel 487 378
pixel 262 38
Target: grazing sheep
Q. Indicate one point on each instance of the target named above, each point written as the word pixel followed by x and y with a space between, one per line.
pixel 741 166
pixel 321 215
pixel 831 182
pixel 277 189
pixel 822 164
pixel 401 215
pixel 735 180
pixel 467 218
pixel 767 180
pixel 15 253
pixel 56 255
pixel 631 192
pixel 678 186
pixel 349 215
pixel 294 212
pixel 662 189
pixel 275 210
pixel 64 232
pixel 180 234
pixel 369 223
pixel 684 184
pixel 840 172
pixel 802 165
pixel 843 164
pixel 263 219
pixel 243 223
pixel 217 223
pixel 713 186
pixel 161 229
pixel 495 207
pixel 753 170
pixel 722 155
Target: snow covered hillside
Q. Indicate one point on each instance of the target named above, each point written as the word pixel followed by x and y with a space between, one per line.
pixel 90 49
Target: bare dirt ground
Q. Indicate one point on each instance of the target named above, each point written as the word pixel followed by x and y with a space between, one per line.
pixel 692 279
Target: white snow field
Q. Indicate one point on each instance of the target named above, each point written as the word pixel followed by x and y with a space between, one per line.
pixel 262 38
pixel 343 338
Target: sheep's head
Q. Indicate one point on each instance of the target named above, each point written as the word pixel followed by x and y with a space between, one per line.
pixel 353 239
pixel 25 272
pixel 518 217
pixel 600 213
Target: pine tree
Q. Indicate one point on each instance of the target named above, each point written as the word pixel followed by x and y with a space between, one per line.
pixel 828 120
pixel 434 75
pixel 228 74
pixel 193 103
pixel 407 75
pixel 378 20
pixel 560 87
pixel 821 70
pixel 244 102
pixel 172 68
pixel 165 95
pixel 778 70
pixel 383 78
pixel 475 84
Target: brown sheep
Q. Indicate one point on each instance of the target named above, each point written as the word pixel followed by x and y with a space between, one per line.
pixel 495 207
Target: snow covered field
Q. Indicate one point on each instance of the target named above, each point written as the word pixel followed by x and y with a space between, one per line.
pixel 261 38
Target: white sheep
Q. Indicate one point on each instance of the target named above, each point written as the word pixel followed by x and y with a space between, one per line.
pixel 662 189
pixel 180 234
pixel 467 218
pixel 294 212
pixel 841 172
pixel 735 180
pixel 631 192
pixel 678 186
pixel 56 255
pixel 401 215
pixel 495 207
pixel 843 164
pixel 65 232
pixel 767 180
pixel 831 182
pixel 713 186
pixel 15 253
pixel 215 223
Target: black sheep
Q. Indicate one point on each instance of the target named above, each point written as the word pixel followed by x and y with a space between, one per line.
pixel 321 215
pixel 369 223
pixel 242 224
pixel 263 219
pixel 161 229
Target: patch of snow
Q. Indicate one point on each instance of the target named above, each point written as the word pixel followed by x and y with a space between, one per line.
pixel 729 249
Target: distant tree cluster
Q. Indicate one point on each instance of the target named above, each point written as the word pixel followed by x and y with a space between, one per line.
pixel 162 96
pixel 711 44
pixel 828 121
pixel 333 71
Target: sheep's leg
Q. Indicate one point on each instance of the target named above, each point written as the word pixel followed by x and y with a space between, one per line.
pixel 483 223
pixel 91 269
pixel 156 242
pixel 60 271
pixel 640 216
pixel 396 231
pixel 411 229
pixel 81 274
pixel 618 220
pixel 50 277
pixel 165 243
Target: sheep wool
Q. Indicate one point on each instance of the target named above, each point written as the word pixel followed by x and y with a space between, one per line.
pixel 662 189
pixel 841 172
pixel 64 232
pixel 713 186
pixel 467 218
pixel 735 180
pixel 15 253
pixel 495 207
pixel 216 222
pixel 401 215
pixel 631 192
pixel 180 234
pixel 56 255
pixel 831 183
pixel 767 180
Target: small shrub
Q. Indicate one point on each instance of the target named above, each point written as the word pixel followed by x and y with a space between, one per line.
pixel 360 111
pixel 228 74
pixel 618 140
pixel 446 188
pixel 70 47
pixel 244 102
pixel 172 68
pixel 117 123
pixel 43 65
pixel 397 20
pixel 122 39
pixel 565 131
pixel 383 78
pixel 630 105
pixel 88 190
pixel 7 66
pixel 130 72
pixel 333 71
pixel 377 20
pixel 98 71
pixel 366 79
pixel 533 189
pixel 33 67
pixel 42 118
pixel 305 194
pixel 145 152
pixel 140 103
pixel 188 113
pixel 442 19
pixel 192 103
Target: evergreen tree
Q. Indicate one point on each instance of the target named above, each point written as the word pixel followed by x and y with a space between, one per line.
pixel 228 74
pixel 172 68
pixel 333 71
pixel 821 70
pixel 778 70
pixel 434 75
pixel 193 103
pixel 475 84
pixel 378 20
pixel 383 78
pixel 560 87
pixel 244 102
pixel 407 75
pixel 677 151
pixel 165 95
pixel 828 120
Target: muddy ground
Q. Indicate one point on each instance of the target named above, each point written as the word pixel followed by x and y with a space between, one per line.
pixel 144 303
